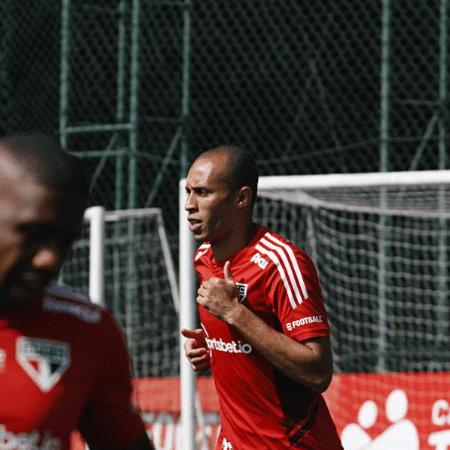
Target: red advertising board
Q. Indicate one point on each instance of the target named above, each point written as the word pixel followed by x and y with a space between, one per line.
pixel 393 411
pixel 398 411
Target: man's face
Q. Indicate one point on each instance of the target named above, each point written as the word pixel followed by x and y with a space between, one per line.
pixel 37 227
pixel 210 203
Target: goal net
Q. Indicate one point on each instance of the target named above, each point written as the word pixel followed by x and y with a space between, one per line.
pixel 123 260
pixel 380 242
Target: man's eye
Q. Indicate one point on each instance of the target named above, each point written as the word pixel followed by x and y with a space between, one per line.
pixel 36 235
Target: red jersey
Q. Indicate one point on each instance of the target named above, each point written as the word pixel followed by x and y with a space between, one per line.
pixel 63 366
pixel 260 407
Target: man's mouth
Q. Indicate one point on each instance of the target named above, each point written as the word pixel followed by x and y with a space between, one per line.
pixel 34 281
pixel 194 225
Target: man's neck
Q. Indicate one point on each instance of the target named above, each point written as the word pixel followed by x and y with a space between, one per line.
pixel 233 243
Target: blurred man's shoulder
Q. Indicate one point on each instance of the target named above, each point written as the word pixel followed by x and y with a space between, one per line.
pixel 67 301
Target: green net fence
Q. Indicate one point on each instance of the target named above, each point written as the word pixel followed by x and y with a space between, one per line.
pixel 139 87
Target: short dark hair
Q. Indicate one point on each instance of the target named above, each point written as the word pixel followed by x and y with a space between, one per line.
pixel 242 168
pixel 48 162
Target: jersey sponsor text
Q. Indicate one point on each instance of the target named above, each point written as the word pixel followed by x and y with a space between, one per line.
pixel 228 347
pixel 28 441
pixel 298 323
pixel 259 260
pixel 226 445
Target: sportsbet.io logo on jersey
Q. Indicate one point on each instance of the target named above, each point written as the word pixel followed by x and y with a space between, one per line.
pixel 43 360
pixel 28 441
pixel 228 347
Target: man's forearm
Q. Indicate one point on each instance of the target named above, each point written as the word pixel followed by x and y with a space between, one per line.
pixel 309 363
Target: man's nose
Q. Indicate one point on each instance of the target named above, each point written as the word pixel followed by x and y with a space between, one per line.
pixel 48 258
pixel 189 203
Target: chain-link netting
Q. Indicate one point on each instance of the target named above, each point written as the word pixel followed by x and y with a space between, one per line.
pixel 139 87
pixel 382 255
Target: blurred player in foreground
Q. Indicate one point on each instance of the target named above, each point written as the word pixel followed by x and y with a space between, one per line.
pixel 264 331
pixel 63 362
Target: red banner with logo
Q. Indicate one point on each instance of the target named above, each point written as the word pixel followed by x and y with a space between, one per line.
pixel 395 411
pixel 398 411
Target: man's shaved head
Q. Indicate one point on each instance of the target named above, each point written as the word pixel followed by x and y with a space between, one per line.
pixel 240 164
pixel 43 159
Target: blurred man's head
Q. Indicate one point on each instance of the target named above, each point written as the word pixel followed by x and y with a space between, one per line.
pixel 43 195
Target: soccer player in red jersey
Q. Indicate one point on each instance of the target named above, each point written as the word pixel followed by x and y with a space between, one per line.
pixel 64 364
pixel 265 333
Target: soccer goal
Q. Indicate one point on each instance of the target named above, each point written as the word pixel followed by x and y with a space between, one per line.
pixel 123 260
pixel 380 242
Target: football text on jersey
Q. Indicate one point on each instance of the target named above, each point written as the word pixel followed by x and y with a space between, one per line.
pixel 298 323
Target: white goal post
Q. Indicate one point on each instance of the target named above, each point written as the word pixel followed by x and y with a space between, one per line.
pixel 381 245
pixel 123 260
pixel 97 217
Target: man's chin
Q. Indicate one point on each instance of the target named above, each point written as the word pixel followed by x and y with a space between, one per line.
pixel 18 298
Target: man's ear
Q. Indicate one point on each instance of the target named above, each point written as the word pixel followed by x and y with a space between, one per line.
pixel 244 197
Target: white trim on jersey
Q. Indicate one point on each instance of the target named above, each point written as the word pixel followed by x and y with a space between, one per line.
pixel 294 263
pixel 205 248
pixel 285 252
pixel 61 290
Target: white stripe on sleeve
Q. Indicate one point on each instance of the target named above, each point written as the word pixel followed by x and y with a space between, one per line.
pixel 293 261
pixel 277 262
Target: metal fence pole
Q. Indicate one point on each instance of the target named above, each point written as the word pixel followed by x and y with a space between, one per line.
pixel 132 169
pixel 443 124
pixel 384 167
pixel 65 69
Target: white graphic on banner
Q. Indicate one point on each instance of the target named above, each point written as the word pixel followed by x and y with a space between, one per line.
pixel 401 435
pixel 440 416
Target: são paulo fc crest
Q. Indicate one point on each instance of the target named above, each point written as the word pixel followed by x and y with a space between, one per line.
pixel 43 360
pixel 242 291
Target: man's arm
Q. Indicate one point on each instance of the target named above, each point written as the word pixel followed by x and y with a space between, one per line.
pixel 143 443
pixel 309 362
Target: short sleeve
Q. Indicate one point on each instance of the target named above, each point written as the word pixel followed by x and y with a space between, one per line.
pixel 110 419
pixel 297 298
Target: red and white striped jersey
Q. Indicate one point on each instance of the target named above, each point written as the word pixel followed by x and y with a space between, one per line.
pixel 260 407
pixel 64 365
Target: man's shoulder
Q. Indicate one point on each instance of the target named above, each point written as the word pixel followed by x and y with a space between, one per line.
pixel 71 303
pixel 266 233
pixel 277 257
pixel 63 291
pixel 274 243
